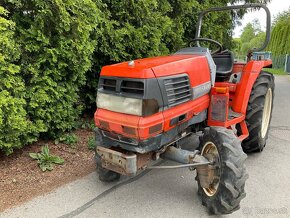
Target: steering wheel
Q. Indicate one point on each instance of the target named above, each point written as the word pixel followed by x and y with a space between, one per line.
pixel 197 40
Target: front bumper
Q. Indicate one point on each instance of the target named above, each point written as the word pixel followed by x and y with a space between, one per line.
pixel 108 139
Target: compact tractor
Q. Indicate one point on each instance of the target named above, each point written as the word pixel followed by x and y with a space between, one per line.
pixel 148 109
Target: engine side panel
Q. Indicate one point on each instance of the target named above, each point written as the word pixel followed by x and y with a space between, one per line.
pixel 196 67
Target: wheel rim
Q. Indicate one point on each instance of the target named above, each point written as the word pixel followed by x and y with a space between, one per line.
pixel 266 113
pixel 210 151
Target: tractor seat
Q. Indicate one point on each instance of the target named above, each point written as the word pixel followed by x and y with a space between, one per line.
pixel 224 65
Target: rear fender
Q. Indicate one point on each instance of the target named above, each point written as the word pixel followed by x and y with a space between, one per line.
pixel 250 73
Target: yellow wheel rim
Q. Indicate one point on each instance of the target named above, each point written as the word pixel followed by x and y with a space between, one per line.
pixel 266 113
pixel 210 149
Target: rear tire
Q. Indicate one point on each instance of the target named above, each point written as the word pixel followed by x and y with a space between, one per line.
pixel 259 113
pixel 226 190
pixel 104 174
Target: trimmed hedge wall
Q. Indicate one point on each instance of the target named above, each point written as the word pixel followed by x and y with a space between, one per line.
pixel 15 128
pixel 55 43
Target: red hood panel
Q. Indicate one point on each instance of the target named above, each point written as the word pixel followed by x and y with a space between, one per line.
pixel 142 68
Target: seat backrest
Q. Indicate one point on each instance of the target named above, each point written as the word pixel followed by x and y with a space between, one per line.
pixel 224 62
pixel 224 65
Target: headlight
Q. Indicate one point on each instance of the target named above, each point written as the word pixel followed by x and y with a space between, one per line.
pixel 139 107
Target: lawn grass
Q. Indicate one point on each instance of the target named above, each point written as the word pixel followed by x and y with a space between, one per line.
pixel 275 71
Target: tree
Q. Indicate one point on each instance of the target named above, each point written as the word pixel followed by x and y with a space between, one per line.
pixel 280 36
pixel 248 33
pixel 251 37
pixel 256 26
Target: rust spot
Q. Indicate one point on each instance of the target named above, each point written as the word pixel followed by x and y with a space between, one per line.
pixel 143 160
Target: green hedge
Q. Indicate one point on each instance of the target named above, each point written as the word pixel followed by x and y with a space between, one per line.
pixel 53 50
pixel 40 96
pixel 15 128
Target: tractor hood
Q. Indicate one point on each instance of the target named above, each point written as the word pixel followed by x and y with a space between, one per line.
pixel 156 67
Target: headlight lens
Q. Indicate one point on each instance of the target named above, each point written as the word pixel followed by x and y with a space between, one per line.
pixel 127 105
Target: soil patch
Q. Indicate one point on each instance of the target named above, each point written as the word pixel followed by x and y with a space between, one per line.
pixel 21 179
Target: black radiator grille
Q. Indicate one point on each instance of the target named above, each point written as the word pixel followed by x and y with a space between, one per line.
pixel 109 84
pixel 177 90
pixel 119 85
pixel 132 87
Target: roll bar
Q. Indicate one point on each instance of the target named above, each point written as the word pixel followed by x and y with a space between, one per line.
pixel 235 7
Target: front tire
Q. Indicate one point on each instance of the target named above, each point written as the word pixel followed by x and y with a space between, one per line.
pixel 226 190
pixel 259 113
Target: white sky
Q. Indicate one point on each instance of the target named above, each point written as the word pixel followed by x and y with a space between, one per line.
pixel 275 6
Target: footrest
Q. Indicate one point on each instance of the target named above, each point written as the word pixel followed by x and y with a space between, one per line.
pixel 232 114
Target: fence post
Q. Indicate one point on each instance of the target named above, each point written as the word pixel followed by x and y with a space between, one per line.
pixel 287 69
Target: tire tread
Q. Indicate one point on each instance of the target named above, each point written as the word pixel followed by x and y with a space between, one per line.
pixel 254 114
pixel 231 188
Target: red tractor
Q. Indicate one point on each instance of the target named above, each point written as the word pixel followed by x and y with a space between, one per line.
pixel 149 108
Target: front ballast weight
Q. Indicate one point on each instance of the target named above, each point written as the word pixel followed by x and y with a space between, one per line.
pixel 219 162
